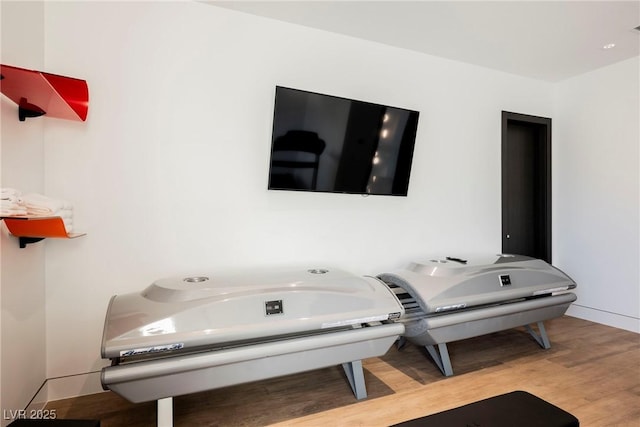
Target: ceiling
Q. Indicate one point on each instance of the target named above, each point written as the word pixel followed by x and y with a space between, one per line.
pixel 546 40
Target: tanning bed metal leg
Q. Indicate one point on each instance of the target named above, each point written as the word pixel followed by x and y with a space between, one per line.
pixel 441 357
pixel 165 412
pixel 401 342
pixel 354 373
pixel 542 339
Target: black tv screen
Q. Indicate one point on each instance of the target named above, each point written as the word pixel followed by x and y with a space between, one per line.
pixel 330 144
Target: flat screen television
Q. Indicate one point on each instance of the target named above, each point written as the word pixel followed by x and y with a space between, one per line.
pixel 330 144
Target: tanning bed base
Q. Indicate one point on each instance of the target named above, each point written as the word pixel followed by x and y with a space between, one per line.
pixel 191 373
pixel 473 323
pixel 442 360
pixel 200 372
pixel 453 299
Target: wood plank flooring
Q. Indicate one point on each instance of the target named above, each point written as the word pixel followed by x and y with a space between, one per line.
pixel 591 371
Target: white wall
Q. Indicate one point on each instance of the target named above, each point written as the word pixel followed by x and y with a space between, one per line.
pixel 597 193
pixel 22 272
pixel 169 173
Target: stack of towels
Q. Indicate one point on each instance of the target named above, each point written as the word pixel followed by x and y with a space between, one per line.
pixel 11 203
pixel 14 203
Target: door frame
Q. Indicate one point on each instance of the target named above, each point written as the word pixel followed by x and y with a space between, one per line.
pixel 544 135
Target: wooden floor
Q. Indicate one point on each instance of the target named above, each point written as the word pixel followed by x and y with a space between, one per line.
pixel 591 371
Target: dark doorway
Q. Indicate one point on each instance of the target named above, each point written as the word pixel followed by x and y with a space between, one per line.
pixel 526 185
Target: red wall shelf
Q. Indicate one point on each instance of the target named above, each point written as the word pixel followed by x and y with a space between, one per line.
pixel 38 93
pixel 31 229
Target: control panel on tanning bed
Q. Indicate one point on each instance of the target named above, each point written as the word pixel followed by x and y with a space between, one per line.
pixel 505 280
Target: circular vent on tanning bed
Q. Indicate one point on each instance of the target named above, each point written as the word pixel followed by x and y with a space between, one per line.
pixel 197 279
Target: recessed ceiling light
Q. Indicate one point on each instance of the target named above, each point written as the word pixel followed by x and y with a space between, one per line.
pixel 609 46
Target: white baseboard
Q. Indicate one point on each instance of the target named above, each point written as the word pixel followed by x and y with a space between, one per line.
pixel 57 389
pixel 72 386
pixel 604 317
pixel 39 400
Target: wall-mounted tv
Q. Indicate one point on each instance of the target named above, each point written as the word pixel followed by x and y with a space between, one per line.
pixel 330 144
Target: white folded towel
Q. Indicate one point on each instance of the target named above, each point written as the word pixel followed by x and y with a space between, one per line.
pixel 15 199
pixel 9 204
pixel 11 208
pixel 8 193
pixel 13 203
pixel 13 211
pixel 37 204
